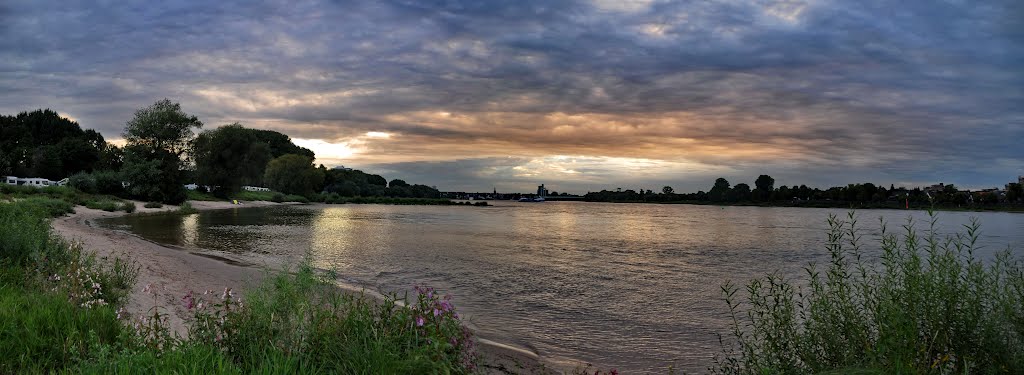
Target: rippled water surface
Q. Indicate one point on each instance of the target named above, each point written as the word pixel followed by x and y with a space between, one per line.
pixel 630 286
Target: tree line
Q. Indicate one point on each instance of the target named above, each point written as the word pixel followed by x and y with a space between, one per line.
pixel 868 194
pixel 162 153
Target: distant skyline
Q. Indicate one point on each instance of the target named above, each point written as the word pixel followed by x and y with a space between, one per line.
pixel 578 95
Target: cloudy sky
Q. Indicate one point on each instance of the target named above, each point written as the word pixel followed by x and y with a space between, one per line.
pixel 579 95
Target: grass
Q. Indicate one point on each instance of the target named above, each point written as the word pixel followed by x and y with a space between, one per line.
pixel 60 313
pixel 195 195
pixel 928 306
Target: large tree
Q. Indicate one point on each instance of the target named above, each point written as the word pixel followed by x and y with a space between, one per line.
pixel 229 157
pixel 41 143
pixel 161 126
pixel 719 191
pixel 293 174
pixel 157 137
pixel 764 184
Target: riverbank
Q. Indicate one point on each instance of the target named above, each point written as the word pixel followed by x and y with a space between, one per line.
pixel 837 205
pixel 166 274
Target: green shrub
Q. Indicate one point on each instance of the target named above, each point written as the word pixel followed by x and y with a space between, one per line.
pixel 153 205
pixel 108 182
pixel 928 306
pixel 105 205
pixel 52 207
pixel 128 206
pixel 277 197
pixel 186 208
pixel 83 182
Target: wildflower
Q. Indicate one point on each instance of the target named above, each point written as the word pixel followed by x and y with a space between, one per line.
pixel 189 300
pixel 419 321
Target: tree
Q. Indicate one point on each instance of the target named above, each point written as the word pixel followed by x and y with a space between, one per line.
pixel 667 190
pixel 229 157
pixel 293 174
pixel 41 143
pixel 157 137
pixel 162 126
pixel 740 192
pixel 719 191
pixel 398 183
pixel 1014 192
pixel 765 185
pixel 153 175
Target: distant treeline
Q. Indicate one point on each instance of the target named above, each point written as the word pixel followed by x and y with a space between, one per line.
pixel 162 153
pixel 864 195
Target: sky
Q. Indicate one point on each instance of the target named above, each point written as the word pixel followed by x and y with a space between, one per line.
pixel 470 95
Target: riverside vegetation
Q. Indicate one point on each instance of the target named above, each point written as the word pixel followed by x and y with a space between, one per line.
pixel 928 306
pixel 60 313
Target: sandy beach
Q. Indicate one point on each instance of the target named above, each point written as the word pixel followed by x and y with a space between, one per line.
pixel 171 273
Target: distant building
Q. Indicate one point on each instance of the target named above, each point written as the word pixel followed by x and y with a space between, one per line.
pixel 542 191
pixel 191 186
pixel 341 168
pixel 255 188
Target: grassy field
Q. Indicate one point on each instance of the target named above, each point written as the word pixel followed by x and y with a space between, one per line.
pixel 61 312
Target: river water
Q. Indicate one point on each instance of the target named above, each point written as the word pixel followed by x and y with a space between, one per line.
pixel 630 286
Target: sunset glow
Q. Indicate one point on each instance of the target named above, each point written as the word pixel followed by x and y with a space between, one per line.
pixel 644 93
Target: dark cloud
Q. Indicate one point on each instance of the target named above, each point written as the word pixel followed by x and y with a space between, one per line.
pixel 909 91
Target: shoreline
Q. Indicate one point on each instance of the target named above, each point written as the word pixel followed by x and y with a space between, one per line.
pixel 170 273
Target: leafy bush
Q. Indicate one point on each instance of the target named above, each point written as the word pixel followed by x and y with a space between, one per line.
pixel 105 205
pixel 128 206
pixel 83 182
pixel 277 197
pixel 186 208
pixel 108 182
pixel 52 207
pixel 929 307
pixel 153 205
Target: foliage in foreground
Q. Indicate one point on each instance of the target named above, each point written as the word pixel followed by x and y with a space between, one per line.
pixel 59 314
pixel 929 307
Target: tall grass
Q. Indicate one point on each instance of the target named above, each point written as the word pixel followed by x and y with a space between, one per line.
pixel 299 323
pixel 929 306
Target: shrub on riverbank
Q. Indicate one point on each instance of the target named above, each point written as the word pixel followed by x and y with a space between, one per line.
pixel 929 306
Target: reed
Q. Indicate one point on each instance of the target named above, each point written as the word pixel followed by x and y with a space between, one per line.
pixel 926 305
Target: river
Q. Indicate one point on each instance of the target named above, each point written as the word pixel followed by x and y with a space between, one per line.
pixel 630 286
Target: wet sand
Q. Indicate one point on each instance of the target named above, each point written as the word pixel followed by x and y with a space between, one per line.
pixel 171 273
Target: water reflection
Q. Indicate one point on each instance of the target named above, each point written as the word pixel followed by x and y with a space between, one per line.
pixel 630 286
